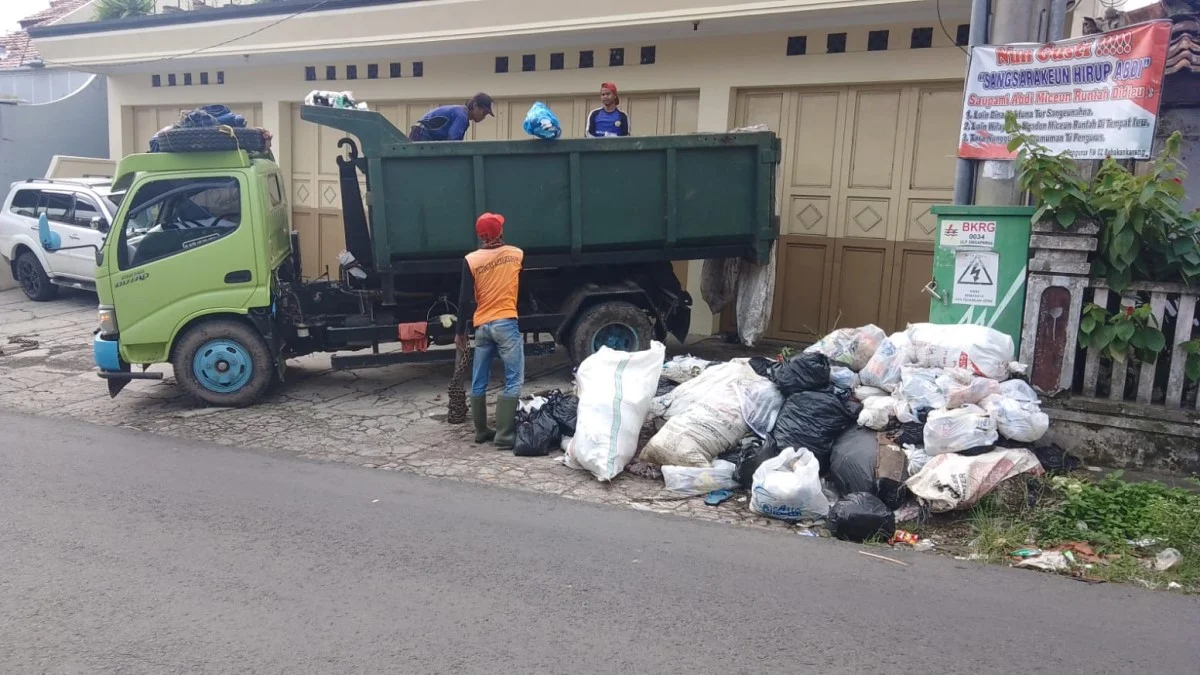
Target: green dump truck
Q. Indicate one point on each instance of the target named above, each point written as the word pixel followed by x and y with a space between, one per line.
pixel 202 270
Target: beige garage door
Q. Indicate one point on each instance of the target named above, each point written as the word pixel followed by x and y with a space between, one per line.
pixel 147 120
pixel 316 192
pixel 861 169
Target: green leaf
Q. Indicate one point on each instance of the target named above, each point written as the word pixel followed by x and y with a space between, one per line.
pixel 1192 369
pixel 1119 279
pixel 1015 142
pixel 1104 336
pixel 1088 324
pixel 1118 222
pixel 1139 221
pixel 1153 338
pixel 1122 244
pixel 1147 193
pixel 1066 216
pixel 1053 197
pixel 1125 330
pixel 1118 348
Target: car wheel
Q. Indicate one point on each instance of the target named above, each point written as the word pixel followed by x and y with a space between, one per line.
pixel 616 325
pixel 33 279
pixel 223 362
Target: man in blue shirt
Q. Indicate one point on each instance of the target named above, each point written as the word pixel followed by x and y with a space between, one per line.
pixel 450 122
pixel 608 120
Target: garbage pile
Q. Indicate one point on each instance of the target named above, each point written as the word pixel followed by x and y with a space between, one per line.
pixel 211 128
pixel 859 432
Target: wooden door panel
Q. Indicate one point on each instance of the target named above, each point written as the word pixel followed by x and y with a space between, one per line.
pixel 912 271
pixel 862 276
pixel 803 268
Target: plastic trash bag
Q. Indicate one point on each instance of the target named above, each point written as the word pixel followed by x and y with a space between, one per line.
pixel 850 347
pixel 959 430
pixel 537 434
pixel 541 122
pixel 1017 421
pixel 917 458
pixel 748 456
pixel 961 387
pixel 680 369
pixel 802 372
pixel 861 516
pixel 615 391
pixel 755 295
pixel 814 420
pixel 883 369
pixel 701 431
pixel 951 482
pixel 918 391
pixel 864 393
pixel 564 408
pixel 982 350
pixel 788 487
pixel 852 461
pixel 877 412
pixel 843 378
pixel 763 366
pixel 760 401
pixel 1019 390
pixel 695 481
pixel 718 282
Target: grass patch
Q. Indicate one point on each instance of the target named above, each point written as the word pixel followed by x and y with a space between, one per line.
pixel 1125 523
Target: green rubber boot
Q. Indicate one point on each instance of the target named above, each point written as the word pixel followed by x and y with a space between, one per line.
pixel 506 421
pixel 483 433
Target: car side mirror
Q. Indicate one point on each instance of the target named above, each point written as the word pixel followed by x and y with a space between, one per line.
pixel 49 238
pixel 99 224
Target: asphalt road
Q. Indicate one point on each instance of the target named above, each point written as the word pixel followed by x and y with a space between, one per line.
pixel 133 553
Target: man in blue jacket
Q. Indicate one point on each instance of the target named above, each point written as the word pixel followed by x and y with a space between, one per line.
pixel 450 122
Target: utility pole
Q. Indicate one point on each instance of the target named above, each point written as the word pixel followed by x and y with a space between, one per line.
pixel 1012 21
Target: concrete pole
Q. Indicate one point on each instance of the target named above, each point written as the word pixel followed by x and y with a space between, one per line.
pixel 1058 20
pixel 1012 21
pixel 964 169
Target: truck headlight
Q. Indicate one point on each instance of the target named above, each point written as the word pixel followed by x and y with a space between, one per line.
pixel 108 321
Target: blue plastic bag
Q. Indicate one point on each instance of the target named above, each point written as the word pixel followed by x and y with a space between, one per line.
pixel 541 122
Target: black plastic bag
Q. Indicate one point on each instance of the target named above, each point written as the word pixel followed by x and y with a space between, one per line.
pixel 814 420
pixel 861 516
pixel 750 453
pixel 852 461
pixel 762 365
pixel 892 493
pixel 1055 459
pixel 802 372
pixel 563 409
pixel 537 434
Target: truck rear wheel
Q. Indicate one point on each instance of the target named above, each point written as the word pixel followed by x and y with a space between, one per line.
pixel 223 363
pixel 616 325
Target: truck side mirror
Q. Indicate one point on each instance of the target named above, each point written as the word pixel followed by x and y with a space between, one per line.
pixel 49 238
pixel 99 224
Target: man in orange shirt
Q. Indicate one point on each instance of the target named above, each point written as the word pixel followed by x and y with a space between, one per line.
pixel 491 277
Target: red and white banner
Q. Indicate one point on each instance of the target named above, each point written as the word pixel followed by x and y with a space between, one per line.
pixel 1091 97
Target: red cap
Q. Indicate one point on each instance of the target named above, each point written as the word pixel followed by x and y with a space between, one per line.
pixel 489 226
pixel 613 88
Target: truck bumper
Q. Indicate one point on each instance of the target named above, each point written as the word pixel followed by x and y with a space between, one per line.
pixel 107 355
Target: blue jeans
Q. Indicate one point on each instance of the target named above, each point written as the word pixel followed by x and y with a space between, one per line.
pixel 499 338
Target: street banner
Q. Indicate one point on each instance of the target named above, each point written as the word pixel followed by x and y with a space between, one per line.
pixel 1091 97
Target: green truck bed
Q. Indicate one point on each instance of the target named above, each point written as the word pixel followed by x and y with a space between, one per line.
pixel 570 201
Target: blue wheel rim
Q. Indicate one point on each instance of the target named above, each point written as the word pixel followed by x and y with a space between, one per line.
pixel 616 336
pixel 222 366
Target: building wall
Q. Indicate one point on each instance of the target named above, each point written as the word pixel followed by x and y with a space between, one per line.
pixel 41 86
pixel 896 100
pixel 31 134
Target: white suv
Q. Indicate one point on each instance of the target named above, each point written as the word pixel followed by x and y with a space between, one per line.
pixel 79 210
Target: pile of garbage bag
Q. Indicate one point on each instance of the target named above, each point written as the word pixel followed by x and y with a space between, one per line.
pixel 859 431
pixel 541 122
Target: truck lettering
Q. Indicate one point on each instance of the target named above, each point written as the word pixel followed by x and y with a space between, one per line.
pixel 133 278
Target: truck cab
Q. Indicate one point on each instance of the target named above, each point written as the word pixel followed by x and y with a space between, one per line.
pixel 186 271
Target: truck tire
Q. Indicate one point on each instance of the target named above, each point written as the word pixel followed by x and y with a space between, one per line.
pixel 210 139
pixel 33 279
pixel 617 325
pixel 223 362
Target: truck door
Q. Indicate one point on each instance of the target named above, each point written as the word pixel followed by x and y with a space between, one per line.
pixel 185 247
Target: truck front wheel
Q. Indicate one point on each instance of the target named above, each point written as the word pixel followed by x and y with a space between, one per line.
pixel 616 325
pixel 223 363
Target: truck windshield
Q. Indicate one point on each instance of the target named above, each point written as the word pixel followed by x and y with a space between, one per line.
pixel 168 217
